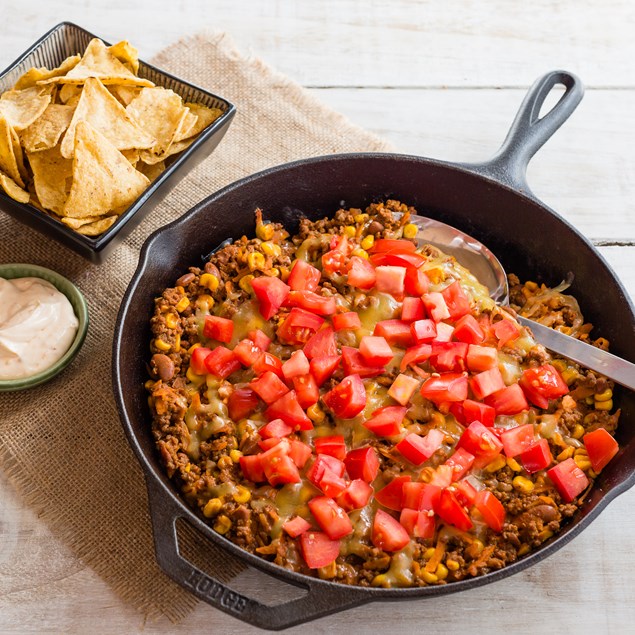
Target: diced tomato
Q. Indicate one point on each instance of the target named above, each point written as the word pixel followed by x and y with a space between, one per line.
pixel 403 388
pixel 456 300
pixel 396 245
pixel 387 533
pixel 321 344
pixel 348 398
pixel 452 512
pixel 418 524
pixel 435 306
pixel 465 493
pixel 542 383
pixel 260 339
pixel 331 484
pixel 420 496
pixel 391 496
pixel 218 328
pixel 448 356
pixel 280 469
pixel 333 446
pixel 362 463
pixel 445 387
pixel 323 367
pixel 222 362
pixel 197 360
pixel 331 518
pixel 318 550
pixel 390 279
pixel 456 408
pixel 307 390
pixel 468 330
pixel 505 331
pixel 299 452
pixel 267 444
pixel 395 332
pixel 442 476
pixel 445 332
pixel 252 468
pixel 318 304
pixel 275 429
pixel 477 411
pixel 487 383
pixel 247 352
pixel 361 273
pixel 423 330
pixel 268 362
pixel 386 422
pixel 517 440
pixel 601 446
pixel 354 364
pixel 289 410
pixel 299 326
pixel 460 462
pixel 356 495
pixel 375 350
pixel 491 509
pixel 416 282
pixel 271 292
pixel 410 260
pixel 569 479
pixel 296 526
pixel 296 365
pixel 509 401
pixel 303 276
pixel 335 260
pixel 346 321
pixel 269 387
pixel 481 358
pixel 412 310
pixel 481 442
pixel 416 355
pixel 417 449
pixel 322 463
pixel 241 403
pixel 536 457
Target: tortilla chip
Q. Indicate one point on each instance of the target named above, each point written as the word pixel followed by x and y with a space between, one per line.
pixel 19 156
pixel 205 116
pixel 52 175
pixel 124 94
pixel 34 75
pixel 126 54
pixel 91 226
pixel 68 92
pixel 132 156
pixel 22 107
pixel 187 123
pixel 46 131
pixel 160 112
pixel 104 113
pixel 103 179
pixel 151 171
pixel 13 189
pixel 100 63
pixel 8 160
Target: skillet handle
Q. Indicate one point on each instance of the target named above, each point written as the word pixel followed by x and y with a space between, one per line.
pixel 528 132
pixel 320 600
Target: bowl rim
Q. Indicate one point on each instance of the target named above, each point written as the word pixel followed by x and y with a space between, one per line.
pixel 75 297
pixel 96 244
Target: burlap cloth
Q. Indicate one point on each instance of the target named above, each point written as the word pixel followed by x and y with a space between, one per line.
pixel 62 444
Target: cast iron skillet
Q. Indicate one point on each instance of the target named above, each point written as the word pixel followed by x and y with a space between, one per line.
pixel 490 201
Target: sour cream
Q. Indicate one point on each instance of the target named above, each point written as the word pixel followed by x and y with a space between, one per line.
pixel 37 326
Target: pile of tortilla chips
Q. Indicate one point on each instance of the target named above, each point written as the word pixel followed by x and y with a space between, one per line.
pixel 82 141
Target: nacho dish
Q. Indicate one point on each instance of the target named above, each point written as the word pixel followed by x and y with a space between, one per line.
pixel 82 141
pixel 351 405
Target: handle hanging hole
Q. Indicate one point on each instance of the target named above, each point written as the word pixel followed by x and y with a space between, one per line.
pixel 551 100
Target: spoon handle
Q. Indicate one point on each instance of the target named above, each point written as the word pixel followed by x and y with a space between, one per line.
pixel 611 366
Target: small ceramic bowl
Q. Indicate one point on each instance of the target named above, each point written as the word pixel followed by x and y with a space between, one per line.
pixel 79 307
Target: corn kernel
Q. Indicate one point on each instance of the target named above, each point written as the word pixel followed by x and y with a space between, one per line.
pixel 271 249
pixel 605 395
pixel 522 484
pixel 513 465
pixel 497 464
pixel 532 286
pixel 589 401
pixel 264 231
pixel 582 462
pixel 275 272
pixel 315 413
pixel 182 304
pixel 171 320
pixel 188 468
pixel 581 452
pixel 367 241
pixel 177 343
pixel 224 462
pixel 578 431
pixel 428 553
pixel 328 572
pixel 426 474
pixel 410 231
pixel 569 375
pixel 381 580
pixel 255 260
pixel 441 572
pixel 604 405
pixel 567 453
pixel 193 377
pixel 436 275
pixel 591 473
pixel 360 218
pixel 524 549
pixel 452 565
pixel 559 364
pixel 212 507
pixel 242 494
pixel 205 301
pixel 222 524
pixel 245 283
pixel 161 345
pixel 192 348
pixel 545 534
pixel 475 549
pixel 235 455
pixel 349 231
pixel 210 281
pixel 428 577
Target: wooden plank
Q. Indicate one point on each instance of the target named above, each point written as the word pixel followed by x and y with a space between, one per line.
pixel 371 43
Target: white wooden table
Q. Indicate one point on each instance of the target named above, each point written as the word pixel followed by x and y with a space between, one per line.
pixel 442 79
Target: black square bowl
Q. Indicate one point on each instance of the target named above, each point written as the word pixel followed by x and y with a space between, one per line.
pixel 50 50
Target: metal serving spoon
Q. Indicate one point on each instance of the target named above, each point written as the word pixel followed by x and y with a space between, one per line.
pixel 476 257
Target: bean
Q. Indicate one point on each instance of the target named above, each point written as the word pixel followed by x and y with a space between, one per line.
pixel 213 269
pixel 375 227
pixel 185 279
pixel 546 512
pixel 163 366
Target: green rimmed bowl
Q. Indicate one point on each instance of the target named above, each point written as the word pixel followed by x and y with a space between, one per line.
pixel 78 303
